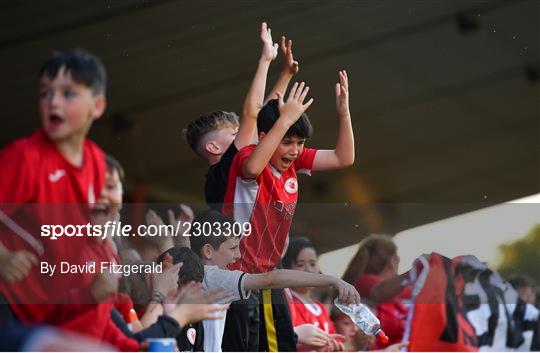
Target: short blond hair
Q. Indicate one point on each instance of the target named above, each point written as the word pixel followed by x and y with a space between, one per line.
pixel 205 124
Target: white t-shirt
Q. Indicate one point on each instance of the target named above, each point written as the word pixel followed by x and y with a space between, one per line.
pixel 232 282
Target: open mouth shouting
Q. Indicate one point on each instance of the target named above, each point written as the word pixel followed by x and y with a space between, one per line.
pixel 287 161
pixel 55 120
pixel 102 212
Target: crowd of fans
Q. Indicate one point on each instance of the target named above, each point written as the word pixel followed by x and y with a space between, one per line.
pixel 223 292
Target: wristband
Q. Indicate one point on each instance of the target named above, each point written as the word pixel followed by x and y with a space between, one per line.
pixel 157 297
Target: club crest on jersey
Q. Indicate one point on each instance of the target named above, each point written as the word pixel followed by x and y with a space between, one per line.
pixel 191 335
pixel 57 175
pixel 291 185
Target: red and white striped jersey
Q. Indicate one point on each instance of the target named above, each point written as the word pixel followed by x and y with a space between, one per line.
pixel 268 202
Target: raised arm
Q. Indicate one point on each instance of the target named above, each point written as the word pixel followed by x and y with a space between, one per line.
pixel 297 279
pixel 290 68
pixel 385 291
pixel 289 112
pixel 343 155
pixel 255 96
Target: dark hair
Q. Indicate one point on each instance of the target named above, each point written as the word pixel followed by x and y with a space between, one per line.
pixel 269 114
pixel 193 267
pixel 113 164
pixel 296 245
pixel 335 313
pixel 521 281
pixel 204 124
pixel 215 241
pixel 374 253
pixel 84 68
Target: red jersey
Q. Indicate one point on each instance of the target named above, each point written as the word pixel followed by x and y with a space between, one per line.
pixel 39 186
pixel 314 313
pixel 34 171
pixel 268 202
pixel 392 315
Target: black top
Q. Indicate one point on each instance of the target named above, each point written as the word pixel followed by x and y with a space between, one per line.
pixel 186 335
pixel 216 180
pixel 164 327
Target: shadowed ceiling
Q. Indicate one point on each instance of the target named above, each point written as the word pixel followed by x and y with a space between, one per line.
pixel 444 95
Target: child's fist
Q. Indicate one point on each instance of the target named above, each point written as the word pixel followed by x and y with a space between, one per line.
pixel 15 265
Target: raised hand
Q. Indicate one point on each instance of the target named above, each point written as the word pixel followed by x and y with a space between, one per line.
pixel 152 218
pixel 342 95
pixel 15 265
pixel 104 284
pixel 294 107
pixel 166 282
pixel 270 49
pixel 289 64
pixel 193 293
pixel 194 304
pixel 183 221
pixel 185 215
pixel 166 239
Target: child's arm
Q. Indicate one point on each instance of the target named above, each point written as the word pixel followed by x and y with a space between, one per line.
pixel 290 68
pixel 255 95
pixel 343 155
pixel 297 279
pixel 289 112
pixel 385 291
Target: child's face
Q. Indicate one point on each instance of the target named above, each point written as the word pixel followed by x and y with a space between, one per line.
pixel 527 294
pixel 219 141
pixel 286 153
pixel 345 326
pixel 306 261
pixel 227 253
pixel 226 136
pixel 67 108
pixel 109 202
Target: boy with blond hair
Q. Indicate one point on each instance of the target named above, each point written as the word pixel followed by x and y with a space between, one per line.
pixel 217 136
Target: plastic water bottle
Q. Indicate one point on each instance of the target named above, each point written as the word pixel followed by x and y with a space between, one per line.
pixel 364 319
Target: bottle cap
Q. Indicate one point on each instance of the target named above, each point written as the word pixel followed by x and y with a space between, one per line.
pixel 382 337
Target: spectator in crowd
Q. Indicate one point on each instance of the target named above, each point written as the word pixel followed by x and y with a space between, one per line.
pixel 375 262
pixel 525 286
pixel 348 329
pixel 302 256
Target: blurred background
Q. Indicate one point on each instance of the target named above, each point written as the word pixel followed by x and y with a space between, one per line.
pixel 444 97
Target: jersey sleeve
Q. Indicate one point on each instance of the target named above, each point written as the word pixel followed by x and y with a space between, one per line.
pixel 231 281
pixel 304 163
pixel 240 159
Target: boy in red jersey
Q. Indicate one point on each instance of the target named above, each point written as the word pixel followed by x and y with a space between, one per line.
pixel 217 137
pixel 263 189
pixel 51 177
pixel 57 163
